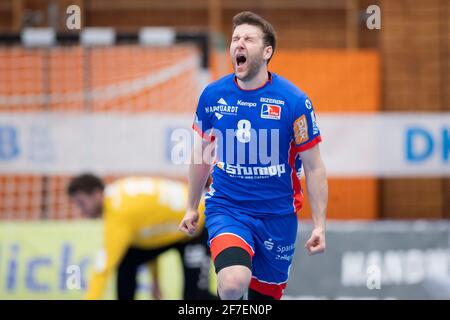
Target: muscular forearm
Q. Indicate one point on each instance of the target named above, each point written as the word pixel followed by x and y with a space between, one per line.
pixel 199 170
pixel 317 186
pixel 198 175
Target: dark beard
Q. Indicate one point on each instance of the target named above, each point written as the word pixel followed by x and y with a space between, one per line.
pixel 253 69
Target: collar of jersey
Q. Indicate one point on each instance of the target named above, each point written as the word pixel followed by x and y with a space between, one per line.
pixel 269 80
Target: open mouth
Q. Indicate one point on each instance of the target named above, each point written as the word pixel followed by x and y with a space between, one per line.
pixel 240 59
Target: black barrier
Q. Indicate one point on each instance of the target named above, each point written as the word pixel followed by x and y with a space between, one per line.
pixel 374 260
pixel 203 310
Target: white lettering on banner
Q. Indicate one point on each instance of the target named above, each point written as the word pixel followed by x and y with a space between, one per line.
pixel 396 267
pixel 380 145
pixel 386 144
pixel 373 278
pixel 73 281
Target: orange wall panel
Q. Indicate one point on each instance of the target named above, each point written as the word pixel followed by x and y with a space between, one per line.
pixel 354 198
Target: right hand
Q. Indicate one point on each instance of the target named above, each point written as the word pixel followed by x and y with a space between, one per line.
pixel 189 222
pixel 316 243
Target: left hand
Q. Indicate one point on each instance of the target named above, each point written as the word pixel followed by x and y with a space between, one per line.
pixel 316 243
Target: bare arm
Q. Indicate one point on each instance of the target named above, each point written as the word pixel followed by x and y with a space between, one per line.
pixel 317 187
pixel 199 170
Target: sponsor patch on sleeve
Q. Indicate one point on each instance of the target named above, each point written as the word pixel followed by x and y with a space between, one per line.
pixel 301 130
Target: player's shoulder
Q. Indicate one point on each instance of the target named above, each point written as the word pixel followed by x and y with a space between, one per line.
pixel 226 80
pixel 219 84
pixel 291 92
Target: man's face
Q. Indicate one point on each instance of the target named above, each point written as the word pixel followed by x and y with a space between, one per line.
pixel 247 51
pixel 90 205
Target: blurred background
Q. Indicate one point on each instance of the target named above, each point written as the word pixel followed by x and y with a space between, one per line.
pixel 101 86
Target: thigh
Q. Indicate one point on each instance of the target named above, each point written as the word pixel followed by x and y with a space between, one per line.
pixel 228 229
pixel 274 250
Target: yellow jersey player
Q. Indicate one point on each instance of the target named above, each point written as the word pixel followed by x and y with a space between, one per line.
pixel 141 216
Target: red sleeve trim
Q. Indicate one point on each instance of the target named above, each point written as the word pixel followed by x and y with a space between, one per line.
pixel 201 133
pixel 310 144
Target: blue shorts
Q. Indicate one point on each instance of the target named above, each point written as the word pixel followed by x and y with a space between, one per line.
pixel 269 240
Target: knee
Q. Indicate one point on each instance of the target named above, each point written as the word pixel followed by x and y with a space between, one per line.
pixel 233 282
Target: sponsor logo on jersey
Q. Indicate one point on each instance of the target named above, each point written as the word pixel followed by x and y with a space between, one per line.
pixel 222 102
pixel 210 192
pixel 301 130
pixel 272 101
pixel 246 104
pixel 238 170
pixel 229 110
pixel 268 244
pixel 220 165
pixel 270 111
pixel 299 173
pixel 308 104
pixel 284 249
pixel 222 109
pixel 314 123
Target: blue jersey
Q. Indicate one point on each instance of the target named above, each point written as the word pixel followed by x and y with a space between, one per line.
pixel 258 135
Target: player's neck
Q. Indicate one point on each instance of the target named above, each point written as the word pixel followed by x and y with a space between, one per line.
pixel 257 81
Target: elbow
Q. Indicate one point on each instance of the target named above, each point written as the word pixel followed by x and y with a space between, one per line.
pixel 318 170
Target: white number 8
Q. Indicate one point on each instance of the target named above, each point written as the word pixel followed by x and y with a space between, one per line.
pixel 243 133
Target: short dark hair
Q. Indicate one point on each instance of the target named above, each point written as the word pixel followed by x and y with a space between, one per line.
pixel 247 17
pixel 86 182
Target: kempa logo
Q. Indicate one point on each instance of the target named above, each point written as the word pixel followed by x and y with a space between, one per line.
pixel 246 104
pixel 275 170
pixel 218 115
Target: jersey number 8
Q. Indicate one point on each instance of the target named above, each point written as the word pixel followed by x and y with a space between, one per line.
pixel 243 133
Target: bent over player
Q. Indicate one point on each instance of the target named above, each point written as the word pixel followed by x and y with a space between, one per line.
pixel 141 216
pixel 260 124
